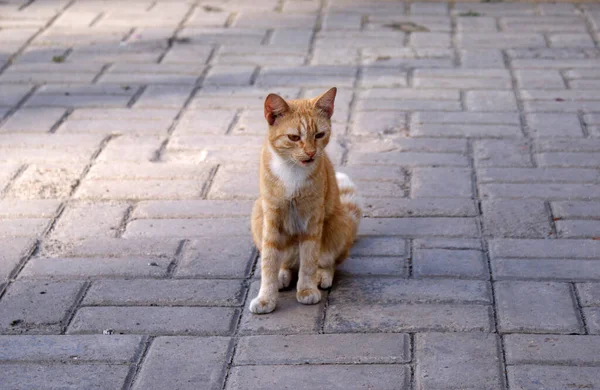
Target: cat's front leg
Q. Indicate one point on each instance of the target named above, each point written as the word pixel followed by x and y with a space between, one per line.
pixel 271 257
pixel 310 247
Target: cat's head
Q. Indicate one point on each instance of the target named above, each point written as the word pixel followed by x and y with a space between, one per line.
pixel 299 130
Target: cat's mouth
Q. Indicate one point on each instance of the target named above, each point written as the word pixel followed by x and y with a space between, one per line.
pixel 307 161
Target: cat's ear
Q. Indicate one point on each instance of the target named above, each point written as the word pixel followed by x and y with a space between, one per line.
pixel 275 106
pixel 325 102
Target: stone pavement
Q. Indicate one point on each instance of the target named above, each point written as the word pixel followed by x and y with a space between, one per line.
pixel 129 139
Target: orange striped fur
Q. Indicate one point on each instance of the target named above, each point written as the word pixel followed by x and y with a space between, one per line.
pixel 306 217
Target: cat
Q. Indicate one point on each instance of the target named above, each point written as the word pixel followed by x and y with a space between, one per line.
pixel 307 215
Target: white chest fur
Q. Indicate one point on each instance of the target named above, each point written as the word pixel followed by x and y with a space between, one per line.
pixel 292 176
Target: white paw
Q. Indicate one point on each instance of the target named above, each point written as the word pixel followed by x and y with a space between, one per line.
pixel 308 296
pixel 284 278
pixel 325 278
pixel 261 305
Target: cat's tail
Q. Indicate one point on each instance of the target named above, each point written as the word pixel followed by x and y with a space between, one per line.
pixel 348 196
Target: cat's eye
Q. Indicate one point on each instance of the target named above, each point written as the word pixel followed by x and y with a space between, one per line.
pixel 293 137
pixel 319 135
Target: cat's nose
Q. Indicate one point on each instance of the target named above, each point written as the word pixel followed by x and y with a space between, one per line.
pixel 311 154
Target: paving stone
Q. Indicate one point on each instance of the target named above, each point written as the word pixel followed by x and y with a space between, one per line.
pixel 95 267
pixel 192 209
pixel 502 153
pixel 184 362
pixel 457 360
pixel 551 125
pixel 110 247
pixel 537 307
pixel 516 218
pixel 592 316
pixel 414 159
pixel 349 317
pixel 449 263
pixel 392 290
pixel 536 175
pixel 38 308
pixel 66 376
pixel 154 292
pixel 540 190
pixel 375 376
pixel 556 349
pixel 46 181
pixel 373 265
pixel 12 252
pixel 530 377
pixel 378 246
pixel 22 227
pixel 589 294
pixel 201 321
pixel 578 229
pixel 584 160
pixel 233 182
pixel 187 227
pixel 447 243
pixel 289 317
pixel 416 227
pixel 70 349
pixel 164 96
pixel 35 120
pixel 480 58
pixel 140 190
pixel 324 349
pixel 569 249
pixel 468 130
pixel 225 257
pixel 441 182
pixel 83 220
pixel 420 207
pixel 539 79
pixel 491 101
pixel 385 122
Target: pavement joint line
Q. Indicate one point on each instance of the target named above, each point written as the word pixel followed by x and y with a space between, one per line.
pixel 268 37
pixel 234 121
pixel 350 122
pixel 61 120
pixel 257 70
pixel 101 73
pixel 579 308
pixel 408 258
pixel 588 24
pixel 76 304
pixel 584 129
pixel 171 41
pixel 20 104
pixel 97 19
pixel 12 180
pixel 317 28
pixel 456 60
pixel 551 219
pixel 209 181
pixel 136 365
pixel 136 96
pixel 231 19
pixel 181 249
pixel 126 219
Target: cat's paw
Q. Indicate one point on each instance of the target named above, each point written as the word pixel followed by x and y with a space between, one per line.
pixel 284 278
pixel 262 306
pixel 308 296
pixel 325 278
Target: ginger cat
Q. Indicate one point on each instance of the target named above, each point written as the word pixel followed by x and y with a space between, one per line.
pixel 306 217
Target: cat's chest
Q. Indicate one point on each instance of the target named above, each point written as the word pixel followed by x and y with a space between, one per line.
pixel 292 177
pixel 294 221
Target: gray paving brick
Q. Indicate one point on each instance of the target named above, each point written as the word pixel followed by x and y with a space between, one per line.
pixel 539 79
pixel 65 376
pixel 12 252
pixel 417 227
pixel 289 317
pixel 584 160
pixel 578 229
pixel 385 122
pixel 21 227
pixel 592 316
pixel 324 349
pixel 35 120
pixel 38 308
pixel 556 349
pixel 392 290
pixel 537 175
pixel 537 307
pixel 82 220
pixel 530 377
pixel 458 360
pixel 550 125
pixel 421 207
pixel 186 228
pixel 441 182
pixel 140 190
pixel 413 159
pixel 376 376
pixel 516 218
pixel 502 153
pixel 546 269
pixel 480 58
pixel 491 101
pixel 373 265
pixel 195 360
pixel 201 321
pixel 378 246
pixel 110 247
pixel 46 181
pixel 361 317
pixel 446 243
pixel 589 294
pixel 586 249
pixel 73 349
pixel 192 209
pixel 153 292
pixel 207 257
pixel 95 267
pixel 540 190
pixel 449 263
